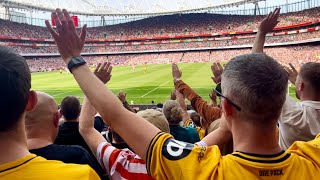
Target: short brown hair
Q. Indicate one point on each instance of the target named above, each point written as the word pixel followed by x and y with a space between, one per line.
pixel 70 108
pixel 15 82
pixel 310 72
pixel 258 84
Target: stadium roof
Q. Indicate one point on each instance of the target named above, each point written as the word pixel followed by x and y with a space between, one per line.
pixel 124 7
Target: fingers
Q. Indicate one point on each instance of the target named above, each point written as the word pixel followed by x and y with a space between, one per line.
pixel 52 31
pixel 220 67
pixel 54 15
pixel 97 68
pixel 288 70
pixel 103 66
pixel 216 68
pixel 109 70
pixel 69 20
pixel 83 33
pixel 107 66
pixel 63 19
pixel 293 68
pixel 269 15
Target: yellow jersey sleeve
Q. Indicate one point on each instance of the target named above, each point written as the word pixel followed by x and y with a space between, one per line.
pixel 168 158
pixel 309 150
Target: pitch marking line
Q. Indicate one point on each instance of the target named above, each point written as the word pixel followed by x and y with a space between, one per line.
pixel 155 89
pixel 61 93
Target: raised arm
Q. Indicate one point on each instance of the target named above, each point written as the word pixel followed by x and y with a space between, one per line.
pixel 220 136
pixel 123 98
pixel 127 124
pixel 266 26
pixel 86 122
pixel 209 113
pixel 292 72
pixel 180 100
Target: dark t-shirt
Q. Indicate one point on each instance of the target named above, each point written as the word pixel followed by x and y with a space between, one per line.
pixel 68 154
pixel 185 134
pixel 69 133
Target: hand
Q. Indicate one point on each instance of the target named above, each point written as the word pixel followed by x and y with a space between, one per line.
pixel 69 43
pixel 176 73
pixel 293 73
pixel 122 96
pixel 217 71
pixel 270 22
pixel 103 72
pixel 173 95
pixel 213 97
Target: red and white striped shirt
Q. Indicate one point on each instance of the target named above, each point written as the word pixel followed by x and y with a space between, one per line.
pixel 121 164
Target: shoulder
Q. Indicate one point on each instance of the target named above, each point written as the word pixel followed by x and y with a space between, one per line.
pixel 307 150
pixel 61 170
pixel 72 150
pixel 167 155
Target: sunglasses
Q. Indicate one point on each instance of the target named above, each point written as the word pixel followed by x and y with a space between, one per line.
pixel 238 108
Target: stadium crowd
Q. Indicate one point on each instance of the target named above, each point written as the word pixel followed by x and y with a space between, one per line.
pixel 173 45
pixel 251 129
pixel 298 55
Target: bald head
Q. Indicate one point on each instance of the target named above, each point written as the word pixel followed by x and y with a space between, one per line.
pixel 44 112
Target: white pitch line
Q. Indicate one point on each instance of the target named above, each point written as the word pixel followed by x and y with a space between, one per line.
pixel 155 89
pixel 61 93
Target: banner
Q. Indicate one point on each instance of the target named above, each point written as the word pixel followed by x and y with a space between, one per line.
pixel 74 19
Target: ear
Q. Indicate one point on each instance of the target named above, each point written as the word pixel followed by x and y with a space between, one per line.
pixel 301 86
pixel 227 109
pixel 32 101
pixel 56 119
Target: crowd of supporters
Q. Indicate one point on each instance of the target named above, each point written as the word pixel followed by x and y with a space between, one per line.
pixel 174 45
pixel 251 129
pixel 296 55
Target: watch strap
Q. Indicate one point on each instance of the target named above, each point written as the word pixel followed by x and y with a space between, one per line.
pixel 75 62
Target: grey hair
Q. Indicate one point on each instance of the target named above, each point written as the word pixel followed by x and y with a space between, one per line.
pixel 256 83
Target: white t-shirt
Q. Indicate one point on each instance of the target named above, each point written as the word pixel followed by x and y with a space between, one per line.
pixel 299 121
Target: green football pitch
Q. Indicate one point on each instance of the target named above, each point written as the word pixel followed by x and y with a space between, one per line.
pixel 141 88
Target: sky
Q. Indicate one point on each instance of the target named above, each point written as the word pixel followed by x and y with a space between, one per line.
pixel 146 5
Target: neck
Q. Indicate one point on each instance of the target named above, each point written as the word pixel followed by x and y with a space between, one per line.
pixel 36 143
pixel 257 140
pixel 39 137
pixel 13 145
pixel 72 120
pixel 310 98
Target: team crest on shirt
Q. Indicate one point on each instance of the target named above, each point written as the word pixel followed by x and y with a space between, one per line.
pixel 176 150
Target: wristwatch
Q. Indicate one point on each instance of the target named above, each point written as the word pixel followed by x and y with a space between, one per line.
pixel 75 62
